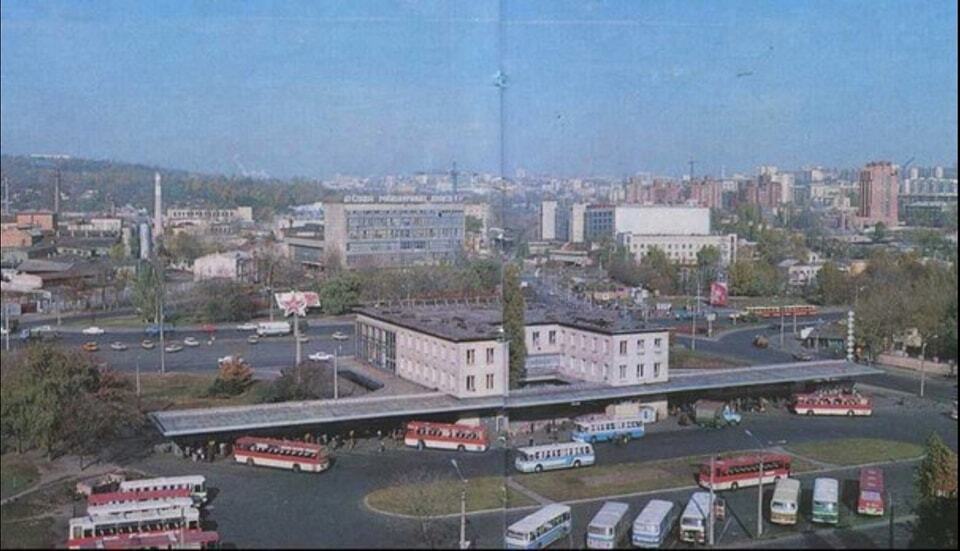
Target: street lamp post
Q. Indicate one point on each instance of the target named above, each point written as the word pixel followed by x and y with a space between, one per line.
pixel 464 544
pixel 923 371
pixel 759 485
pixel 339 337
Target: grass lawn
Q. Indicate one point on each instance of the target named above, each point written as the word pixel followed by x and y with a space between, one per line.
pixel 187 390
pixel 29 522
pixel 29 534
pixel 685 358
pixel 17 473
pixel 856 451
pixel 443 497
pixel 625 478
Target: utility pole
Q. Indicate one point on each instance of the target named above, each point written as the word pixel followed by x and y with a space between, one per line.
pixel 6 326
pixel 923 359
pixel 464 544
pixel 713 508
pixel 296 340
pixel 781 327
pixel 890 502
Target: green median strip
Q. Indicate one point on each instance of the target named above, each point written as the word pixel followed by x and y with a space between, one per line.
pixel 434 498
pixel 17 473
pixel 857 451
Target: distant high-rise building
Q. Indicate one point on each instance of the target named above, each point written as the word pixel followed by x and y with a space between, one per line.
pixel 879 186
pixel 157 206
pixel 548 220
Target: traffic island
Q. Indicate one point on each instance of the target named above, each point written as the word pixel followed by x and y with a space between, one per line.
pixel 857 451
pixel 437 498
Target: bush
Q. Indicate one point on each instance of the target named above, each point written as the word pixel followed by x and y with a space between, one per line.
pixel 234 378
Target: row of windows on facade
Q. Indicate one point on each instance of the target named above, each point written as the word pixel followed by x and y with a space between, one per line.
pixel 404 218
pixel 436 246
pixel 424 233
pixel 447 381
pixel 577 364
pixel 573 339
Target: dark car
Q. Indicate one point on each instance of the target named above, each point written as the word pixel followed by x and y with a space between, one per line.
pixel 802 357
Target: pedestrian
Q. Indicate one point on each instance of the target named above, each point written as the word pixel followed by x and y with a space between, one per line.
pixel 323 438
pixel 531 441
pixel 382 446
pixel 353 442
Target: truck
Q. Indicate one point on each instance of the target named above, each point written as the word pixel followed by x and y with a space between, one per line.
pixel 273 329
pixel 707 413
pixel 40 333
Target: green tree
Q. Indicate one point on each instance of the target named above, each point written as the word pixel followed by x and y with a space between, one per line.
pixel 879 232
pixel 147 292
pixel 339 293
pixel 657 272
pixel 936 481
pixel 832 286
pixel 234 376
pixel 219 300
pixel 708 264
pixel 473 224
pixel 514 327
pixel 118 252
pixel 185 247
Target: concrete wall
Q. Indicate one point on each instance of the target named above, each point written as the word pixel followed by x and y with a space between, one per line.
pixel 907 362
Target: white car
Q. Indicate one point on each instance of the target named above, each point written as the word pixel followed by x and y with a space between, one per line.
pixel 172 348
pixel 320 357
pixel 118 346
pixel 93 330
pixel 190 341
pixel 247 327
pixel 303 338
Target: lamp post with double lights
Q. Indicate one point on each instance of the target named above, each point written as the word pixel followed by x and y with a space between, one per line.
pixel 339 337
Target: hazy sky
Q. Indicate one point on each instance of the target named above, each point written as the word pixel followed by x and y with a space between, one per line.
pixel 376 87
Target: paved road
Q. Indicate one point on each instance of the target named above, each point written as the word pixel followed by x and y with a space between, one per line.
pixel 258 507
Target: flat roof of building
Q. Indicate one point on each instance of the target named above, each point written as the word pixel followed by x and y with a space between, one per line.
pixel 194 422
pixel 465 323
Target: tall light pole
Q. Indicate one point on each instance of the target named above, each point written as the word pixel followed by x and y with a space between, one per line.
pixel 464 544
pixel 759 484
pixel 923 358
pixel 339 337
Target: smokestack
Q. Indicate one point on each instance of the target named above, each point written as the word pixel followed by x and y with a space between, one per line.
pixel 157 206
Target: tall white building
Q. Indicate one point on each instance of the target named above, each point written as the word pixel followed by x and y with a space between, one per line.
pixel 655 220
pixel 548 220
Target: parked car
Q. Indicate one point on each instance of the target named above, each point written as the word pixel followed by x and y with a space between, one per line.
pixel 320 357
pixel 93 330
pixel 247 327
pixel 90 346
pixel 118 346
pixel 253 339
pixel 802 357
pixel 173 348
pixel 147 344
pixel 190 341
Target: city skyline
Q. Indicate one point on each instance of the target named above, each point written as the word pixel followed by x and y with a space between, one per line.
pixel 592 89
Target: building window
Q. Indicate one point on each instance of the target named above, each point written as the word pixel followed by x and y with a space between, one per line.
pixel 490 381
pixel 490 355
pixel 623 348
pixel 552 337
pixel 639 371
pixel 640 344
pixel 471 356
pixel 536 338
pixel 471 383
pixel 623 372
pixel 656 369
pixel 657 342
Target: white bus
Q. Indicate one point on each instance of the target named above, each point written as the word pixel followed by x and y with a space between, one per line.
pixel 609 526
pixel 539 529
pixel 693 521
pixel 554 456
pixel 273 329
pixel 785 502
pixel 196 484
pixel 86 531
pixel 826 495
pixel 653 524
pixel 147 505
pixel 605 428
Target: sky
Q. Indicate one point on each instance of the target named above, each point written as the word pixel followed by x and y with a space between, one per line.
pixel 375 87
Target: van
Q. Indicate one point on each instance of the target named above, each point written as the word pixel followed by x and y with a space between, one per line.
pixel 653 524
pixel 273 329
pixel 609 526
pixel 785 502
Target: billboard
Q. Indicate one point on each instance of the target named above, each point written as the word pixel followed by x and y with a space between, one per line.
pixel 718 294
pixel 297 302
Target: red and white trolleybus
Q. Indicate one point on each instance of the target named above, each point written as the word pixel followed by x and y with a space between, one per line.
pixel 168 526
pixel 446 436
pixel 110 498
pixel 833 402
pixel 281 454
pixel 743 470
pixel 870 500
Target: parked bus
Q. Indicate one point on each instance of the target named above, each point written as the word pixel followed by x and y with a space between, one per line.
pixel 744 470
pixel 606 428
pixel 273 328
pixel 653 524
pixel 837 402
pixel 109 498
pixel 609 526
pixel 870 500
pixel 539 529
pixel 140 505
pixel 88 531
pixel 554 456
pixel 786 501
pixel 695 517
pixel 446 436
pixel 826 497
pixel 166 539
pixel 196 484
pixel 281 454
pixel 777 311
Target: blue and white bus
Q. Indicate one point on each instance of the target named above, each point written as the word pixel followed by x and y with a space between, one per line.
pixel 539 529
pixel 609 527
pixel 565 455
pixel 604 428
pixel 653 524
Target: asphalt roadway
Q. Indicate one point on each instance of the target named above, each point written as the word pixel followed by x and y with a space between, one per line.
pixel 269 508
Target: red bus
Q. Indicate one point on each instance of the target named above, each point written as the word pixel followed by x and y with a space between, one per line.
pixel 446 436
pixel 112 498
pixel 169 539
pixel 833 402
pixel 281 454
pixel 870 501
pixel 169 526
pixel 743 470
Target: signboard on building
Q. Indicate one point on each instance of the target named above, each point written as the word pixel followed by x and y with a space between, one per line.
pixel 403 199
pixel 296 302
pixel 718 294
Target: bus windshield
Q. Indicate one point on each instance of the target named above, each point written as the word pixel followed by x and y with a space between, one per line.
pixel 693 522
pixel 514 535
pixel 825 505
pixel 783 506
pixel 598 530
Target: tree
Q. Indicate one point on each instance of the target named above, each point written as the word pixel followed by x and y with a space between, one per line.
pixel 936 524
pixel 473 224
pixel 234 376
pixel 220 300
pixel 514 327
pixel 148 292
pixel 832 286
pixel 339 293
pixel 657 272
pixel 185 247
pixel 879 232
pixel 708 264
pixel 118 252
